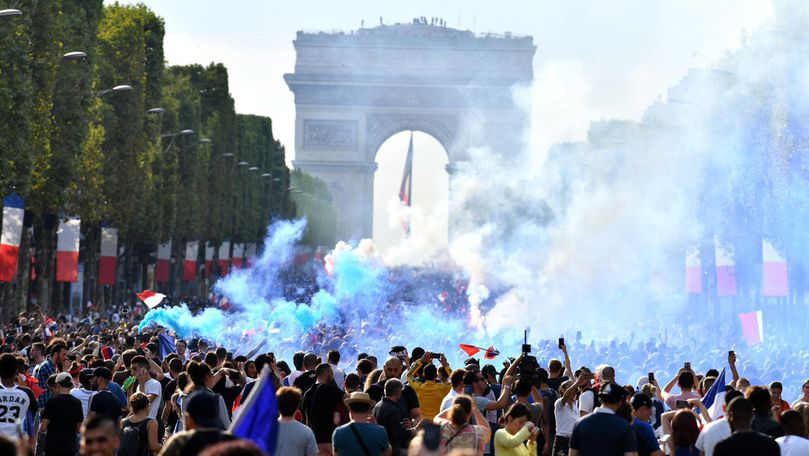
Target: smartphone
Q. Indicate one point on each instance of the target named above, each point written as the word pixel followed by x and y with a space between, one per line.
pixel 651 377
pixel 687 365
pixel 731 353
pixel 437 355
pixel 561 342
pixel 681 404
pixel 526 348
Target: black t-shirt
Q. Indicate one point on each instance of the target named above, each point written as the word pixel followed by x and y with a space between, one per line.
pixel 747 443
pixel 766 425
pixel 555 383
pixel 105 403
pixel 319 405
pixel 603 434
pixel 305 381
pixel 64 413
pixel 408 402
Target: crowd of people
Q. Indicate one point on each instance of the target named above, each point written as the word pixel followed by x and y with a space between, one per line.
pixel 98 386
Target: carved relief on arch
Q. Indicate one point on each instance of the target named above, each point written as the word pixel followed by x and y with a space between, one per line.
pixel 380 127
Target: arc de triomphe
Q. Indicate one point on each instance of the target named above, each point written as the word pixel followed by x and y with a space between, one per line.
pixel 355 90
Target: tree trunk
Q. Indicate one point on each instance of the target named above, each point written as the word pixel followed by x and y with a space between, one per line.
pixel 23 272
pixel 46 259
pixel 90 250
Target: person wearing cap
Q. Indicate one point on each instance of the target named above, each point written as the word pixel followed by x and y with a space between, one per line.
pixel 61 419
pixel 202 425
pixel 360 436
pixel 603 432
pixel 104 401
pixel 642 408
pixel 84 391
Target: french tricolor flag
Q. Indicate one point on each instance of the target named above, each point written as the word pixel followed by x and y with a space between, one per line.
pixel 715 397
pixel 109 256
pixel 190 263
pixel 163 266
pixel 11 235
pixel 150 298
pixel 775 278
pixel 67 250
pixel 238 254
pixel 693 271
pixel 209 251
pixel 725 270
pixel 224 258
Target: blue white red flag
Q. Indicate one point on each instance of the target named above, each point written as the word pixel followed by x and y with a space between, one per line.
pixel 167 345
pixel 257 419
pixel 715 397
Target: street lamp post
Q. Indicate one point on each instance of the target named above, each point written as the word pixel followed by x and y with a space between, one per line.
pixel 116 89
pixel 10 13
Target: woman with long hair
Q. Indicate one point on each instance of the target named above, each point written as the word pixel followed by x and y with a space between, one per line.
pixel 510 440
pixel 684 433
pixel 142 428
pixel 372 378
pixel 456 431
pixel 200 378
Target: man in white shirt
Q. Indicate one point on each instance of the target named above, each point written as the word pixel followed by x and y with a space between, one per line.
pixel 566 413
pixel 146 384
pixel 339 374
pixel 297 361
pixel 84 392
pixel 456 379
pixel 717 430
pixel 793 443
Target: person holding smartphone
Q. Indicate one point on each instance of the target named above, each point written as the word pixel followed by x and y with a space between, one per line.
pixel 685 379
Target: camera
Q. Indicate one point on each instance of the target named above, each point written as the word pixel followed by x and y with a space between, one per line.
pixel 436 355
pixel 529 366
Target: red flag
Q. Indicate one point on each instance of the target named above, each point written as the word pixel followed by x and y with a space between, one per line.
pixel 190 263
pixel 150 298
pixel 10 236
pixel 470 350
pixel 406 188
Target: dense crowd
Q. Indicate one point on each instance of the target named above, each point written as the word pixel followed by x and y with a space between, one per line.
pixel 97 386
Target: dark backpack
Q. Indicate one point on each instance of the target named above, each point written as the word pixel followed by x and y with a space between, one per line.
pixel 131 441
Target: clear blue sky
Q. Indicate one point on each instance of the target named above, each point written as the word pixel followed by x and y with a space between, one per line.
pixel 595 59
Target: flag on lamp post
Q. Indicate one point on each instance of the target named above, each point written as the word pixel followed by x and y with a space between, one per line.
pixel 11 236
pixel 209 251
pixel 238 253
pixel 109 256
pixel 190 263
pixel 67 250
pixel 775 278
pixel 163 266
pixel 224 258
pixel 693 271
pixel 725 270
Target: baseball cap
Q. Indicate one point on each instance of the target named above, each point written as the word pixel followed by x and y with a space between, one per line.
pixel 85 374
pixel 63 377
pixel 612 393
pixel 102 372
pixel 641 400
pixel 203 407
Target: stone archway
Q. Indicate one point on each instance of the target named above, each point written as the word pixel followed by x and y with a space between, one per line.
pixel 355 90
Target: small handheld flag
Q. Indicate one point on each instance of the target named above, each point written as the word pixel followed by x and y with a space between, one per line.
pixel 167 345
pixel 471 350
pixel 150 298
pixel 715 397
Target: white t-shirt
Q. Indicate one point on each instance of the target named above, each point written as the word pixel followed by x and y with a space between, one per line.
pixel 152 386
pixel 793 445
pixel 339 375
pixel 447 401
pixel 713 433
pixel 566 416
pixel 14 404
pixel 586 401
pixel 84 396
pixel 290 379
